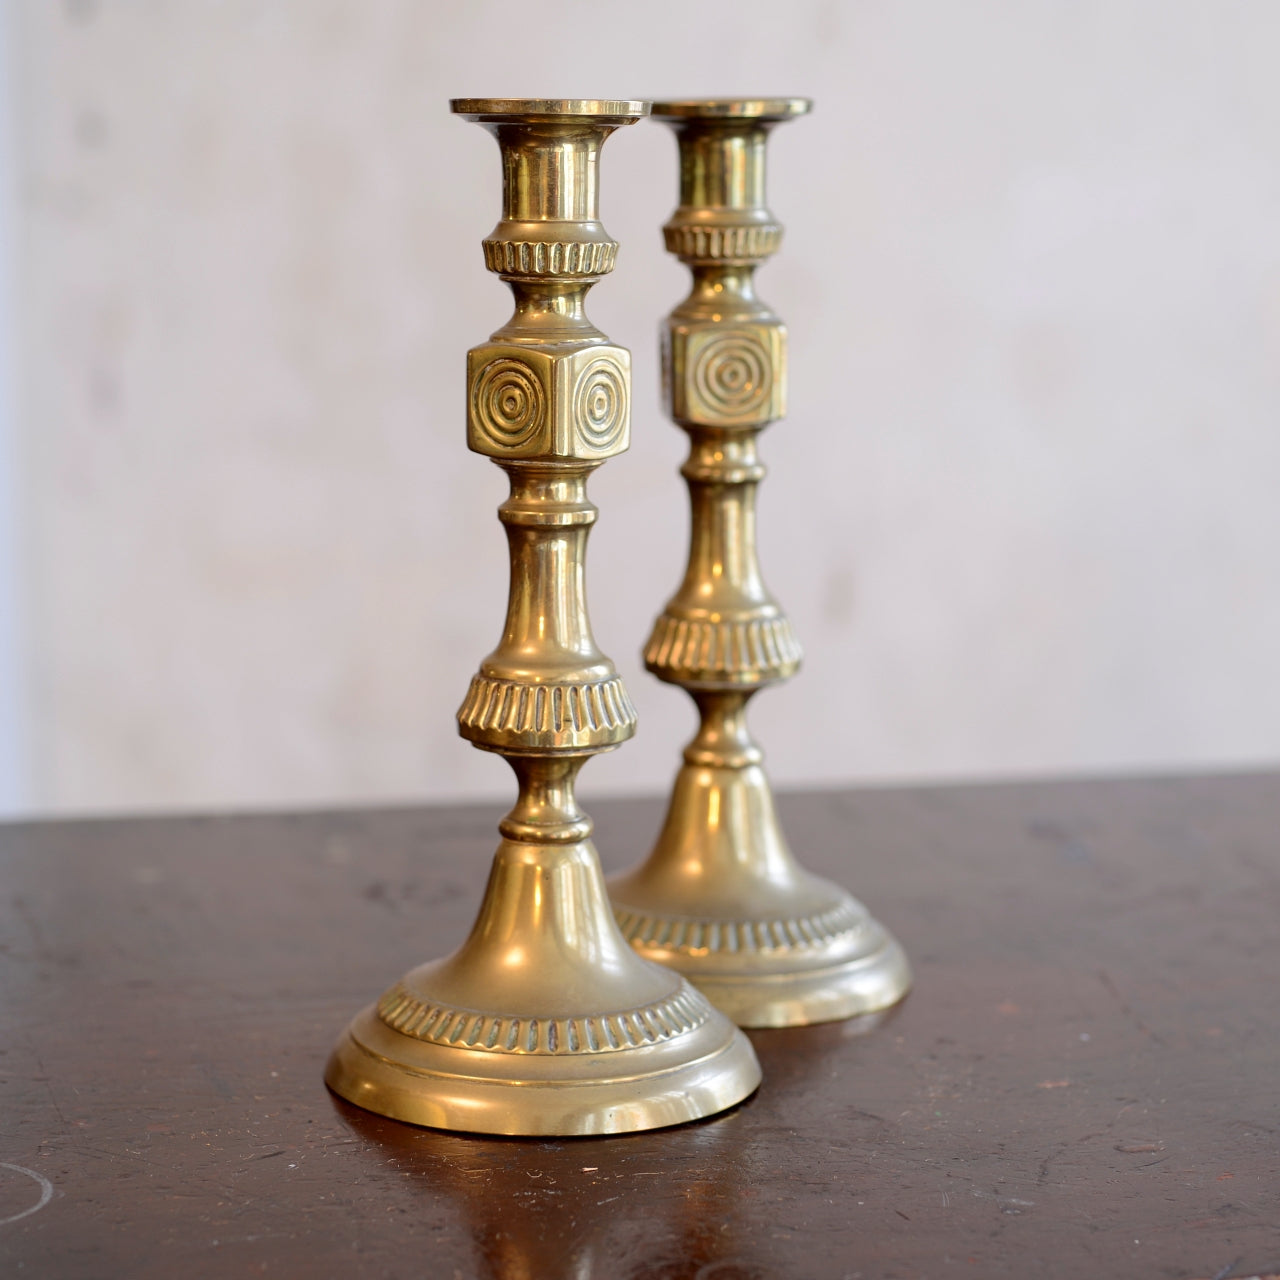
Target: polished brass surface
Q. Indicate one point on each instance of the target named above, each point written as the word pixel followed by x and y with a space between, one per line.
pixel 721 898
pixel 545 1021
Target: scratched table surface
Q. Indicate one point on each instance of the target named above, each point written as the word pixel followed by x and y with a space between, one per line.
pixel 1084 1082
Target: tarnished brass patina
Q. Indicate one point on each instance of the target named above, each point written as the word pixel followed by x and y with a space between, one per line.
pixel 545 1021
pixel 721 897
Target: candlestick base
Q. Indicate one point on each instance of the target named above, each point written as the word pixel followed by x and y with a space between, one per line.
pixel 722 900
pixel 544 1022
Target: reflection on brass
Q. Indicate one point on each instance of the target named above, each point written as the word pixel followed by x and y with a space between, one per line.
pixel 545 1021
pixel 721 898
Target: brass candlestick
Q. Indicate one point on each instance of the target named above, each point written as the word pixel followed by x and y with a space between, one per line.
pixel 545 1021
pixel 721 898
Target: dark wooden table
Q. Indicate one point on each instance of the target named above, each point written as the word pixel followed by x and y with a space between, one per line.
pixel 1084 1083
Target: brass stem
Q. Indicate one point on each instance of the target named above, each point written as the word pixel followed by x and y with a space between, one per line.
pixel 546 810
pixel 723 740
pixel 547 637
pixel 723 573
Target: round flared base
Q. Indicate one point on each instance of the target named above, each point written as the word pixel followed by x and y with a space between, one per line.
pixel 659 1082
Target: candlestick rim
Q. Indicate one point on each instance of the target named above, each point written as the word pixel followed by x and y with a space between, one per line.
pixel 497 110
pixel 733 108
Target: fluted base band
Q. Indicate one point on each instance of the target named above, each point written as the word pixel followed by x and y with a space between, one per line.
pixel 447 1087
pixel 862 971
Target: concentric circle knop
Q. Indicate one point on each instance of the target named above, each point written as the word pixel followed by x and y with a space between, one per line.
pixel 508 402
pixel 733 374
pixel 600 403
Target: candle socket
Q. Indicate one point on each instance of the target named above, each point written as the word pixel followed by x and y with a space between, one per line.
pixel 721 898
pixel 545 1022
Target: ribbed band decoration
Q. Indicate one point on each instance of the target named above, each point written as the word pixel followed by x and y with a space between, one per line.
pixel 721 897
pixel 540 258
pixel 545 1021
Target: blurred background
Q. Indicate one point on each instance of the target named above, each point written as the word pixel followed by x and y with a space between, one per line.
pixel 1025 511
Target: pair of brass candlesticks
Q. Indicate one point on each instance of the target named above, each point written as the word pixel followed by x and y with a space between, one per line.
pixel 552 1018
